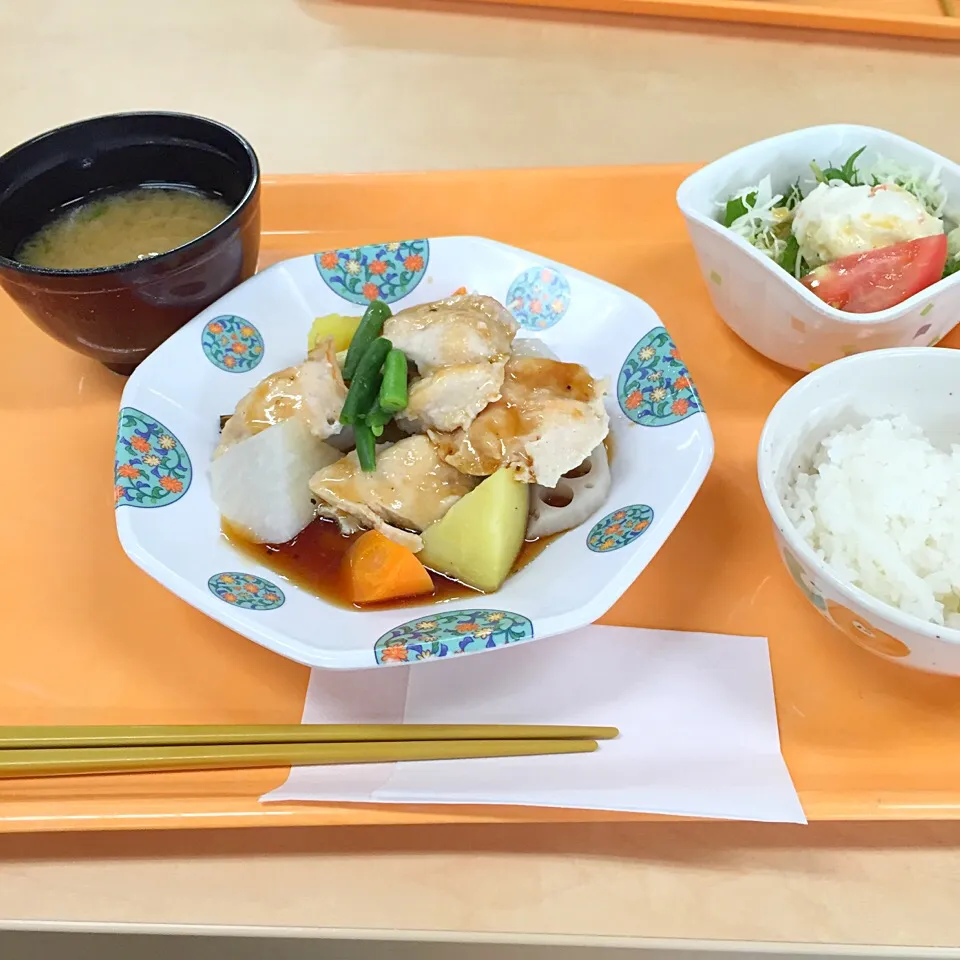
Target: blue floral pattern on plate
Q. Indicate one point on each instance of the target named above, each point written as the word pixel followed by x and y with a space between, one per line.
pixel 620 528
pixel 654 388
pixel 384 271
pixel 539 298
pixel 246 591
pixel 451 632
pixel 232 344
pixel 151 466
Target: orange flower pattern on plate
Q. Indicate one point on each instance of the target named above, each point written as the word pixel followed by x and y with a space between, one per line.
pixel 451 633
pixel 246 591
pixel 539 298
pixel 378 271
pixel 151 467
pixel 620 528
pixel 654 362
pixel 232 344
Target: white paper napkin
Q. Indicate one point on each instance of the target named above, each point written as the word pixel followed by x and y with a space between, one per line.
pixel 698 726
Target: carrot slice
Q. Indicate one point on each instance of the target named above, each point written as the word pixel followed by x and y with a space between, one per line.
pixel 459 292
pixel 378 569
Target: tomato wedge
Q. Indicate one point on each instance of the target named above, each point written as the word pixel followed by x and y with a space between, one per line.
pixel 878 279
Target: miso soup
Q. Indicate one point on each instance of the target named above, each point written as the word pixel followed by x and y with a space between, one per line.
pixel 115 228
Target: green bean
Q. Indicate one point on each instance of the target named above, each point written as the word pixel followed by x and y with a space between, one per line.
pixel 377 418
pixel 369 328
pixel 366 381
pixel 366 447
pixel 393 388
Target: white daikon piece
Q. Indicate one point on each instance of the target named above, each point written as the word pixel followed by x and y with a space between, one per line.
pixel 261 485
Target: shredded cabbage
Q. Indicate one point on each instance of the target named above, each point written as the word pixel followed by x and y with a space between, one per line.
pixel 765 224
pixel 927 189
pixel 767 218
pixel 756 225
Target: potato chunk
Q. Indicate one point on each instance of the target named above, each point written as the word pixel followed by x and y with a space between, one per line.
pixel 336 326
pixel 477 541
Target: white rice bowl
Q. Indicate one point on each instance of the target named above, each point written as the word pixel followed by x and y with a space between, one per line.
pixel 880 505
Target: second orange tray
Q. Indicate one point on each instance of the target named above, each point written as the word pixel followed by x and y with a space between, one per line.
pixel 927 19
pixel 85 637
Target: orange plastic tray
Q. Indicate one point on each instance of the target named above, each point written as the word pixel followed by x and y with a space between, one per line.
pixel 898 18
pixel 85 637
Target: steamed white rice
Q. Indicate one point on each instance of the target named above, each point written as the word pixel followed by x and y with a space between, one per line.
pixel 881 505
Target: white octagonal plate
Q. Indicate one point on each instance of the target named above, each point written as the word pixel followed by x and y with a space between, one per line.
pixel 169 426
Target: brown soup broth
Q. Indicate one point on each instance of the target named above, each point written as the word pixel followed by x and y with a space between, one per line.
pixel 313 561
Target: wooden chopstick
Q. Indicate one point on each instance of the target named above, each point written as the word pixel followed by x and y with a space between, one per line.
pixel 74 761
pixel 37 737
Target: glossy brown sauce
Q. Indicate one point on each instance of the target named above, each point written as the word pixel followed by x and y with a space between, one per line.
pixel 273 400
pixel 562 379
pixel 313 561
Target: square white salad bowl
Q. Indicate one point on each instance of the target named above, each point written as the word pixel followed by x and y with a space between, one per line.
pixel 761 302
pixel 168 524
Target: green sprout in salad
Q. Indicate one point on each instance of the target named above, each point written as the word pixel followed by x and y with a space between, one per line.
pixel 848 173
pixel 765 218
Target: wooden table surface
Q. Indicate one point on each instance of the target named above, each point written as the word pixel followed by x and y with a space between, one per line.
pixel 340 86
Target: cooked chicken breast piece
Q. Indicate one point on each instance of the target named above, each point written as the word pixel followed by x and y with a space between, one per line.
pixel 459 347
pixel 410 489
pixel 450 397
pixel 547 421
pixel 462 329
pixel 314 390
